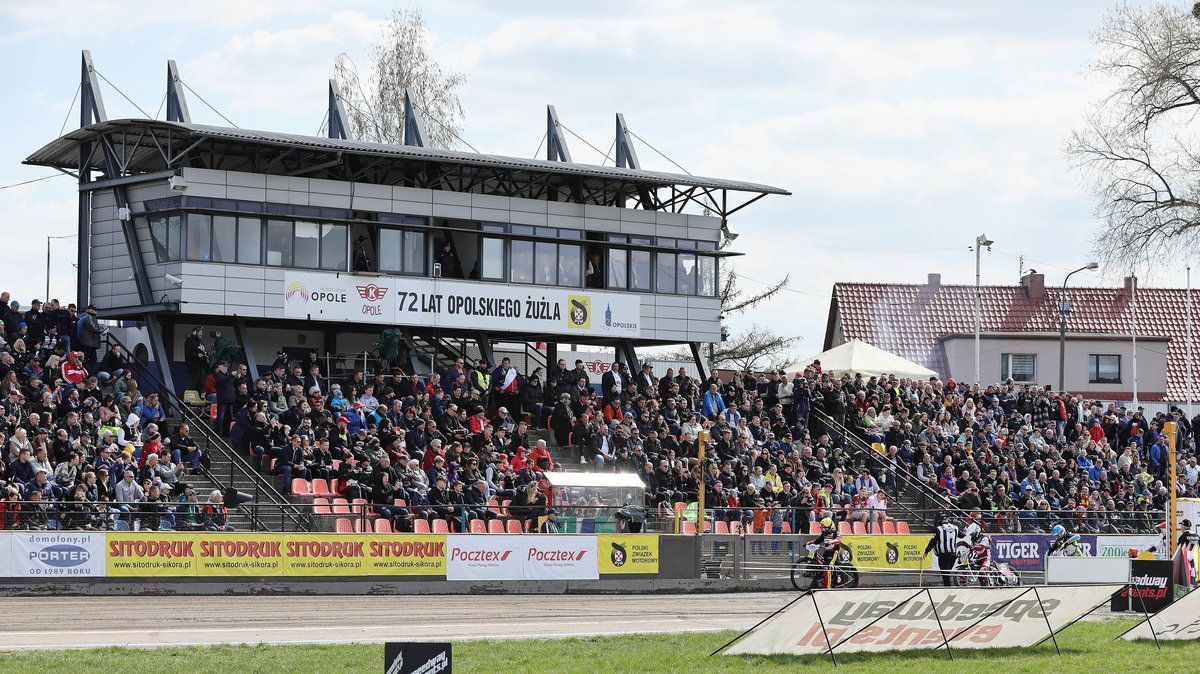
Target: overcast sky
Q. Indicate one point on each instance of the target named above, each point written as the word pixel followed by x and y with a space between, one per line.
pixel 903 129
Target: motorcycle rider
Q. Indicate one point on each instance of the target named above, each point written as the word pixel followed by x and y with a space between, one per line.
pixel 1065 544
pixel 975 549
pixel 822 551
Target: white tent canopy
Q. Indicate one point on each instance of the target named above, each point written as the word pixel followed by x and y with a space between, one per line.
pixel 859 357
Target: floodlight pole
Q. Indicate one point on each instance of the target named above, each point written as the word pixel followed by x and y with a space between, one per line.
pixel 980 242
pixel 1064 308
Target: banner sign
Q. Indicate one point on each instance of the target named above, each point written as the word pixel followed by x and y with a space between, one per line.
pixel 1178 621
pixel 502 557
pixel 1028 551
pixel 440 303
pixel 1119 546
pixel 628 553
pixel 1085 570
pixel 1152 587
pixel 908 619
pixel 53 553
pixel 883 551
pixel 416 657
pixel 236 554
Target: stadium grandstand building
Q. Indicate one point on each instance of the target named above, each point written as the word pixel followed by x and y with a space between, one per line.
pixel 321 243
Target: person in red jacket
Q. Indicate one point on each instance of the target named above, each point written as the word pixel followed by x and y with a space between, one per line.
pixel 73 370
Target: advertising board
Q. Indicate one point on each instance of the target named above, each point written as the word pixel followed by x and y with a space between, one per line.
pixel 876 552
pixel 628 553
pixel 1179 621
pixel 907 619
pixel 444 303
pixel 500 557
pixel 1028 551
pixel 1152 587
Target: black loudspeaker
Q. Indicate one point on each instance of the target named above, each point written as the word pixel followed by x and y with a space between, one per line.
pixel 234 498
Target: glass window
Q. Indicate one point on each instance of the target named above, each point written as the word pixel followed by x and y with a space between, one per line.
pixel 664 281
pixel 545 267
pixel 307 245
pixel 279 243
pixel 686 274
pixel 224 238
pixel 333 247
pixel 522 229
pixel 199 237
pixel 1104 368
pixel 414 252
pixel 158 237
pixel 570 259
pixel 1021 367
pixel 389 250
pixel 492 263
pixel 570 234
pixel 521 267
pixel 249 241
pixel 174 223
pixel 618 268
pixel 706 283
pixel 639 264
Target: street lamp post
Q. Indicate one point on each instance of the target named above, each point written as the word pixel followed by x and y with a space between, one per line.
pixel 980 242
pixel 1064 308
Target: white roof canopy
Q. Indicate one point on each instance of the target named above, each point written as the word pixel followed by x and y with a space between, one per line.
pixel 564 479
pixel 859 357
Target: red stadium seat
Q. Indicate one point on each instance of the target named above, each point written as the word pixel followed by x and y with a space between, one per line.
pixel 343 526
pixel 721 527
pixel 364 526
pixel 504 508
pixel 768 528
pixel 736 528
pixel 786 528
pixel 399 502
pixel 858 528
pixel 689 527
pixel 320 487
pixel 358 506
pixel 477 527
pixel 383 526
pixel 300 487
pixel 337 464
pixel 513 527
pixel 495 527
pixel 814 528
pixel 420 526
pixel 708 526
pixel 844 528
pixel 889 528
pixel 321 506
pixel 902 527
pixel 440 526
pixel 341 506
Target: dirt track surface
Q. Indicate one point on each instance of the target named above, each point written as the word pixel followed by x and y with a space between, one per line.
pixel 90 622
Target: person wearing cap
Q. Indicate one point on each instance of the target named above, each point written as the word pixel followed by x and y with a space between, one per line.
pixel 550 523
pixel 12 317
pixel 226 397
pixel 74 370
pixel 89 336
pixel 36 322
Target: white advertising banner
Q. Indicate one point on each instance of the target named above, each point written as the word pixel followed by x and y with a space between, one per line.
pixel 492 557
pixel 1119 546
pixel 53 554
pixel 561 558
pixel 1085 570
pixel 906 619
pixel 1179 621
pixel 442 303
pixel 502 557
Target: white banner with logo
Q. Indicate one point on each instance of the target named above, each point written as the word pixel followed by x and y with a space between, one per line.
pixel 502 557
pixel 430 302
pixel 906 619
pixel 1179 621
pixel 1119 546
pixel 56 554
pixel 1085 570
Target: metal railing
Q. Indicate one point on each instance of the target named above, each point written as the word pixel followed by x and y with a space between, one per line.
pixel 240 469
pixel 53 514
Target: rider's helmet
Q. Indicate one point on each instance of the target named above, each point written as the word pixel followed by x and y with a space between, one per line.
pixel 827 525
pixel 974 533
pixel 1058 530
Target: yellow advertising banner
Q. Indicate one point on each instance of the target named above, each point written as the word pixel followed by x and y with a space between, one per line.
pixel 247 554
pixel 628 553
pixel 881 552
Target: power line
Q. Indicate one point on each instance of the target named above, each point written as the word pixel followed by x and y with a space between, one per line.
pixel 210 107
pixel 790 290
pixel 53 175
pixel 539 147
pixel 160 106
pixel 585 142
pixel 659 152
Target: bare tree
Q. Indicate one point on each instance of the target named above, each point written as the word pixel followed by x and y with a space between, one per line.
pixel 375 101
pixel 755 349
pixel 1138 149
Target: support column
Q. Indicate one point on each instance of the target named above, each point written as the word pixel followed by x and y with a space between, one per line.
pixel 485 348
pixel 695 346
pixel 159 351
pixel 239 331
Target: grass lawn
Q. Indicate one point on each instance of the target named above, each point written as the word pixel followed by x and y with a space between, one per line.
pixel 1087 647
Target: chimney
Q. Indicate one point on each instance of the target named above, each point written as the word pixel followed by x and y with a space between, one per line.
pixel 1130 284
pixel 935 280
pixel 1035 285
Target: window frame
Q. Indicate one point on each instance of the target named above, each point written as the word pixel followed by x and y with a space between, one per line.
pixel 1006 369
pixel 1094 368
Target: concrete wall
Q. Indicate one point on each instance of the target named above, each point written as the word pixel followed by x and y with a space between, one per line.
pixel 215 289
pixel 1151 358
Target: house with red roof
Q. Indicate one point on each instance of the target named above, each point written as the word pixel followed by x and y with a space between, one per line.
pixel 934 324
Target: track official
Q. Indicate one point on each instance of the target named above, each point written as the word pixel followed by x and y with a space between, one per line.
pixel 944 544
